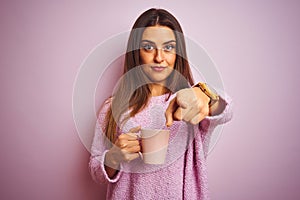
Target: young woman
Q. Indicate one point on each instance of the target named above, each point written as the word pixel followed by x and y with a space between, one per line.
pixel 156 92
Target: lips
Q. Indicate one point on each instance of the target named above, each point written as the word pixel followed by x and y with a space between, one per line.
pixel 158 68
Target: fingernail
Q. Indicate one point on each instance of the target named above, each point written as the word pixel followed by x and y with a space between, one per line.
pixel 168 124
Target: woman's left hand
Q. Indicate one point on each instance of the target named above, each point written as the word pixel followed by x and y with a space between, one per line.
pixel 189 105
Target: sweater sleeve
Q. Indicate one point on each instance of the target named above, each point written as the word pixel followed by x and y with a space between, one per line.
pixel 99 150
pixel 226 115
pixel 208 124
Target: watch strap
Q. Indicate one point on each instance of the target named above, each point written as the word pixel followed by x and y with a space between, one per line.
pixel 213 96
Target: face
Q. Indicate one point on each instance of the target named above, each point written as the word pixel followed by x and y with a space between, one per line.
pixel 158 53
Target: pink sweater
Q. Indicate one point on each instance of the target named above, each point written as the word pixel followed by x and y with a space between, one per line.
pixel 183 176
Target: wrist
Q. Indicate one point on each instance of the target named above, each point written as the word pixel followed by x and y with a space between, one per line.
pixel 218 107
pixel 209 92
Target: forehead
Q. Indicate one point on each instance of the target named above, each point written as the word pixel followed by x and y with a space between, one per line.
pixel 158 34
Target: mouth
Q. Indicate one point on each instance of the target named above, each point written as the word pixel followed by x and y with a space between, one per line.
pixel 158 68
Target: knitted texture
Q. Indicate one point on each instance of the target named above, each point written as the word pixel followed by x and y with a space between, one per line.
pixel 183 176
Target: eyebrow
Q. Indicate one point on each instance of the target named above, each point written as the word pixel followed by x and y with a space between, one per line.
pixel 154 42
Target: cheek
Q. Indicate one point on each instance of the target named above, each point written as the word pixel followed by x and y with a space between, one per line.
pixel 171 59
pixel 145 57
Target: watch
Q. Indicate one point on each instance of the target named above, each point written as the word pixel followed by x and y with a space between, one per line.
pixel 210 92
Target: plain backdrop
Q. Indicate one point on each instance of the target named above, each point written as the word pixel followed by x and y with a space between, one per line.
pixel 255 45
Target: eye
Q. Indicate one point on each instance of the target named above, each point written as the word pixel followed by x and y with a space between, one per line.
pixel 148 47
pixel 169 47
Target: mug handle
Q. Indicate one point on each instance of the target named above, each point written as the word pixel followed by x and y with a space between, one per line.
pixel 138 134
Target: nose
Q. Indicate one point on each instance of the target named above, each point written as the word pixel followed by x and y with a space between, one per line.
pixel 159 57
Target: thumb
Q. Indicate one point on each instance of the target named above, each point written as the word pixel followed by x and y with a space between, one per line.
pixel 169 112
pixel 135 129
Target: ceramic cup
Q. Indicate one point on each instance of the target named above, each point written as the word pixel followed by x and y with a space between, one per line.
pixel 154 145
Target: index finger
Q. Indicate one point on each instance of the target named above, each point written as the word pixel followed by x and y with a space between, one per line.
pixel 128 136
pixel 169 112
pixel 133 133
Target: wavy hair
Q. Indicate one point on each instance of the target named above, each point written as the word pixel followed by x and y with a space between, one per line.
pixel 133 92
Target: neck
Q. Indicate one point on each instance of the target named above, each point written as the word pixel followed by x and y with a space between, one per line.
pixel 157 89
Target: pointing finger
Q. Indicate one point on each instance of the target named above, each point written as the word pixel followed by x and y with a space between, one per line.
pixel 169 113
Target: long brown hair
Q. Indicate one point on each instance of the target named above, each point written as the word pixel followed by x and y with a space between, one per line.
pixel 132 91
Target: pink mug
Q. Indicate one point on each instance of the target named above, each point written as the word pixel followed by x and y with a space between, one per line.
pixel 154 145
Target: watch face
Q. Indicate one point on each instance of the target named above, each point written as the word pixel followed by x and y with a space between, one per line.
pixel 209 91
pixel 212 90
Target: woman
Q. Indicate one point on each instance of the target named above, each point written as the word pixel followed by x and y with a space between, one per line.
pixel 157 82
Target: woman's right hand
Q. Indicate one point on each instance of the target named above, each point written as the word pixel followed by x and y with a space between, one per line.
pixel 125 149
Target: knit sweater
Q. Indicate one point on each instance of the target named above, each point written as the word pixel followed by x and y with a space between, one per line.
pixel 184 174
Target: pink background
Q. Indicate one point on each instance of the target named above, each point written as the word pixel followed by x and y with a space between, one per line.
pixel 255 44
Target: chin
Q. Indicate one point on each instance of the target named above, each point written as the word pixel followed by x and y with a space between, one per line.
pixel 159 80
pixel 158 77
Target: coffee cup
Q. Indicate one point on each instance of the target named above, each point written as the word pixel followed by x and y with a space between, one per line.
pixel 154 144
